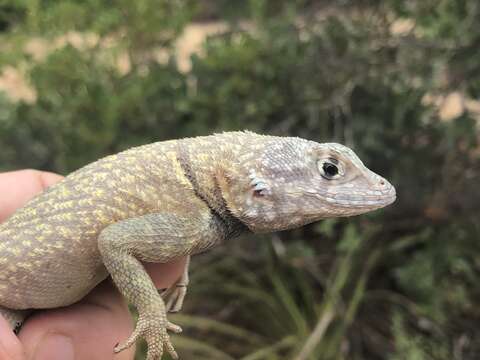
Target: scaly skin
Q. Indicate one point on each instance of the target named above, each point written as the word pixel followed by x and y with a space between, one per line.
pixel 165 200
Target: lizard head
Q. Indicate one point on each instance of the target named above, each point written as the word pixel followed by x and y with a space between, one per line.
pixel 295 182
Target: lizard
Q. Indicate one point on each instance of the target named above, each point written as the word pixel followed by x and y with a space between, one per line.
pixel 165 200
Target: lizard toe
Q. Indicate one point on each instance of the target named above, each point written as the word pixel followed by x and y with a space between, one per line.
pixel 157 340
pixel 130 341
pixel 174 328
pixel 176 296
pixel 153 327
pixel 171 349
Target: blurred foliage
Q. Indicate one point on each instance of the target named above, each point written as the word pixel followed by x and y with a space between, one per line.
pixel 395 284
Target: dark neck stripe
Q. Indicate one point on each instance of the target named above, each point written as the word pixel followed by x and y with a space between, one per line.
pixel 220 212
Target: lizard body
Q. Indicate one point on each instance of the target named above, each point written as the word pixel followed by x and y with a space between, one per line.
pixel 165 200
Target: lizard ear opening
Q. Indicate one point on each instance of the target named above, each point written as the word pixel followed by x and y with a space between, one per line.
pixel 259 186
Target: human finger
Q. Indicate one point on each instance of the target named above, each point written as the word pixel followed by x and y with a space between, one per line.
pixel 18 187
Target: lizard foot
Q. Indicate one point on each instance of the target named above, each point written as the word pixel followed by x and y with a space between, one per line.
pixel 15 318
pixel 153 328
pixel 176 296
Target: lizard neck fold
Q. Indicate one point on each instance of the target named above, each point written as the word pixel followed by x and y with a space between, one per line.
pixel 205 184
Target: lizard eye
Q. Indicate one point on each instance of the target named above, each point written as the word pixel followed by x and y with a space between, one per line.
pixel 329 169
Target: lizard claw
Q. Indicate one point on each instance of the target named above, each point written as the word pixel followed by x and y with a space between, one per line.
pixel 153 328
pixel 174 328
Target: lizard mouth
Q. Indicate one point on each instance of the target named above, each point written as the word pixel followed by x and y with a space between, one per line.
pixel 387 200
pixel 369 199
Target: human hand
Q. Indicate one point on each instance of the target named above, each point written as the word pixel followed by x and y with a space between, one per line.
pixel 85 330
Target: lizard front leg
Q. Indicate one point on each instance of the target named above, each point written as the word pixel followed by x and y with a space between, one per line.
pixel 152 238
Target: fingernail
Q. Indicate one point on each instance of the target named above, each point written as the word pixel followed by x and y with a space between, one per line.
pixel 54 347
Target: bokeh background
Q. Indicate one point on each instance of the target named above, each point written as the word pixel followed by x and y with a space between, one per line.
pixel 398 81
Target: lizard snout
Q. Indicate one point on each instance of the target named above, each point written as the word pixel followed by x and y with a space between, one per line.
pixel 387 190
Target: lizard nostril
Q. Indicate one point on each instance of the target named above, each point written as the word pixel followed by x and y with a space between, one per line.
pixel 382 182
